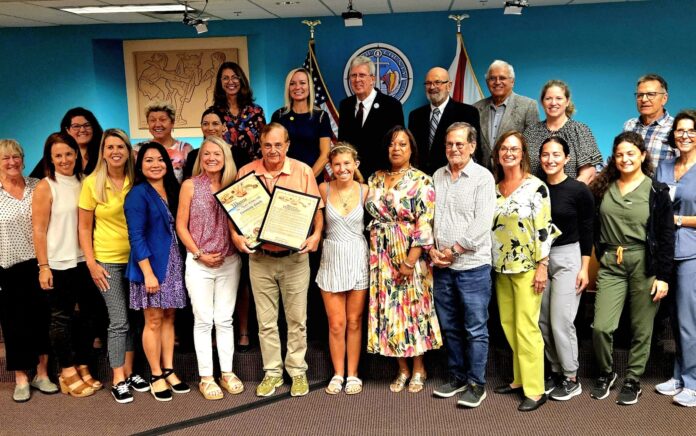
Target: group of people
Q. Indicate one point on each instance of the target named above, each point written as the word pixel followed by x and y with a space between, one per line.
pixel 466 203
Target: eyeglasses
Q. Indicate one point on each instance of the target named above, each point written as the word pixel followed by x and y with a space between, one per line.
pixel 78 127
pixel 680 133
pixel 649 95
pixel 435 83
pixel 398 144
pixel 360 76
pixel 269 147
pixel 231 78
pixel 511 150
pixel 497 78
pixel 458 145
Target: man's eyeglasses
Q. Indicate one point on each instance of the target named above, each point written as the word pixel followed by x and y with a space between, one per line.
pixel 458 145
pixel 649 95
pixel 435 83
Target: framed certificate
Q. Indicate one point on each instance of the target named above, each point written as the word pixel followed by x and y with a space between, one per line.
pixel 289 218
pixel 246 202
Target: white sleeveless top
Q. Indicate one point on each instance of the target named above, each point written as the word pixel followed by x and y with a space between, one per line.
pixel 64 250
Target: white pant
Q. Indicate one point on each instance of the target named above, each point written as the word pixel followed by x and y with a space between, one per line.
pixel 213 293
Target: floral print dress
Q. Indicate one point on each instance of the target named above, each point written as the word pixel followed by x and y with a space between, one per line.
pixel 244 133
pixel 401 320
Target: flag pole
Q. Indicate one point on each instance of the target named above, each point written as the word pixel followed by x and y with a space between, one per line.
pixel 459 18
pixel 311 24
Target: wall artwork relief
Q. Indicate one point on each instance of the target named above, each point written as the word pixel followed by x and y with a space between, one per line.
pixel 179 71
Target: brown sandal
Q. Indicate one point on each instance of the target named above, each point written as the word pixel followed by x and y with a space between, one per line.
pixel 75 386
pixel 231 383
pixel 95 384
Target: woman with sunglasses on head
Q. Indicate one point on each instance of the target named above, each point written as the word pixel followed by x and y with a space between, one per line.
pixel 679 174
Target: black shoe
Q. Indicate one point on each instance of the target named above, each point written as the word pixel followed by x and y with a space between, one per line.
pixel 602 386
pixel 567 390
pixel 507 389
pixel 473 396
pixel 450 389
pixel 243 348
pixel 552 381
pixel 527 405
pixel 179 388
pixel 137 383
pixel 122 393
pixel 165 395
pixel 629 392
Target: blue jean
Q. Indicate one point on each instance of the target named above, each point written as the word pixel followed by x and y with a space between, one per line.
pixel 461 302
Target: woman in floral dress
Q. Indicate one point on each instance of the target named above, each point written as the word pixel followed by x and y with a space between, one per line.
pixel 402 321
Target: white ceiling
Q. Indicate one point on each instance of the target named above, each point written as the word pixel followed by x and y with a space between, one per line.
pixel 48 13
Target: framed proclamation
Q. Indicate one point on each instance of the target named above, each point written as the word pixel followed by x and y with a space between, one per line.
pixel 246 202
pixel 289 218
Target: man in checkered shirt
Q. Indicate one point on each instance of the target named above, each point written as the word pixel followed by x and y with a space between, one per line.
pixel 654 122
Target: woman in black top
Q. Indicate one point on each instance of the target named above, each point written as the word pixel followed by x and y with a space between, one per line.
pixel 572 210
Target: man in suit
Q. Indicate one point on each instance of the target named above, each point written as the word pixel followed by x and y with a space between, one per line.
pixel 367 116
pixel 504 110
pixel 429 122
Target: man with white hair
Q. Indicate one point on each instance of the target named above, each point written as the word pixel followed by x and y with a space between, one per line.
pixel 504 110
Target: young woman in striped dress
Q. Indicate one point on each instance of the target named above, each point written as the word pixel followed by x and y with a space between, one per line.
pixel 343 272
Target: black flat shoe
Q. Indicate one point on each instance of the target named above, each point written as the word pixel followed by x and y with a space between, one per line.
pixel 165 395
pixel 507 389
pixel 179 388
pixel 243 348
pixel 528 404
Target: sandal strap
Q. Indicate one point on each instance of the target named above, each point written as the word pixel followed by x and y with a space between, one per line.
pixel 351 380
pixel 337 379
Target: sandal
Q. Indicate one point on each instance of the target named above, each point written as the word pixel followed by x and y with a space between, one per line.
pixel 335 385
pixel 75 386
pixel 353 385
pixel 231 383
pixel 399 382
pixel 210 389
pixel 177 388
pixel 164 394
pixel 417 383
pixel 95 384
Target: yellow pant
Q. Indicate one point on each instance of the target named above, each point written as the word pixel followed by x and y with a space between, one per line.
pixel 519 309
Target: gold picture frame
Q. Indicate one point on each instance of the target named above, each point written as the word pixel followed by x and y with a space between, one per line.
pixel 179 71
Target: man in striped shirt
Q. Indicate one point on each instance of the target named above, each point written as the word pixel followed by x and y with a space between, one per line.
pixel 464 206
pixel 654 122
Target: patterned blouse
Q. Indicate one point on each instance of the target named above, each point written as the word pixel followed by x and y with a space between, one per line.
pixel 522 229
pixel 16 237
pixel 582 144
pixel 244 133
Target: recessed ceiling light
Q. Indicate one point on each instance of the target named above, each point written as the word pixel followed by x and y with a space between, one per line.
pixel 287 3
pixel 122 9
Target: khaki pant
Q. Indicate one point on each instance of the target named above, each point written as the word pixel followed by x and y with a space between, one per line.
pixel 273 278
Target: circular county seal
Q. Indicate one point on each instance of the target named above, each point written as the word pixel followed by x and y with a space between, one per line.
pixel 394 72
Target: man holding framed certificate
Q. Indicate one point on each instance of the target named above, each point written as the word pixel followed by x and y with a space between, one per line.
pixel 275 270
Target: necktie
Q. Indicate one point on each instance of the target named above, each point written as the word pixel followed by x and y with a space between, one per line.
pixel 434 120
pixel 359 114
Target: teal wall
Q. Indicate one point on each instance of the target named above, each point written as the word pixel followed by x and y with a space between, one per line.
pixel 598 49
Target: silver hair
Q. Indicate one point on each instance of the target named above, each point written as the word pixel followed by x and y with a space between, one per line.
pixel 461 125
pixel 363 60
pixel 497 64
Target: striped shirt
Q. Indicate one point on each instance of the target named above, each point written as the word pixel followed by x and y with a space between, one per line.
pixel 655 135
pixel 464 213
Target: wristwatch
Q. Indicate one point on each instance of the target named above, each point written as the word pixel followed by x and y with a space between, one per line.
pixel 197 255
pixel 679 221
pixel 455 253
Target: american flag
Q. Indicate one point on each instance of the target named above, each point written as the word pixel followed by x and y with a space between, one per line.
pixel 322 99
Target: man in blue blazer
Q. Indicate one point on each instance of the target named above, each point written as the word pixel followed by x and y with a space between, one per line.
pixel 367 116
pixel 442 111
pixel 504 110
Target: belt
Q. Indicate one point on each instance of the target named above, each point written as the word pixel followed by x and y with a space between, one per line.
pixel 621 248
pixel 270 253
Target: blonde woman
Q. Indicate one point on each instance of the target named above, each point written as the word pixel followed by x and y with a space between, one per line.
pixel 212 264
pixel 343 274
pixel 103 235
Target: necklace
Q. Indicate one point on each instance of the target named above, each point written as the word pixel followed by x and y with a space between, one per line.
pixel 345 201
pixel 396 173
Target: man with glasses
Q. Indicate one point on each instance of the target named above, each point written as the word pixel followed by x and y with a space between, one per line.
pixel 504 110
pixel 366 116
pixel 278 274
pixel 464 207
pixel 429 122
pixel 654 122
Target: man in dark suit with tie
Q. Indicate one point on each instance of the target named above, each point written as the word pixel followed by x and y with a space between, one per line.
pixel 365 117
pixel 429 123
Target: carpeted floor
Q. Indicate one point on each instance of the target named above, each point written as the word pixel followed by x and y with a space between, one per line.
pixel 375 411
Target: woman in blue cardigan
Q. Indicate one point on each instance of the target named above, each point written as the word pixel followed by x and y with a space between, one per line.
pixel 155 266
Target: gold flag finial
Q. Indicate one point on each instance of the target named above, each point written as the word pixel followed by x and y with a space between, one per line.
pixel 311 24
pixel 458 19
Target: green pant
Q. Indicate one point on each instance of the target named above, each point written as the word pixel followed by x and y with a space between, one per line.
pixel 614 283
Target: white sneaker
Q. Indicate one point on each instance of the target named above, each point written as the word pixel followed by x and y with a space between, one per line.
pixel 671 387
pixel 686 398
